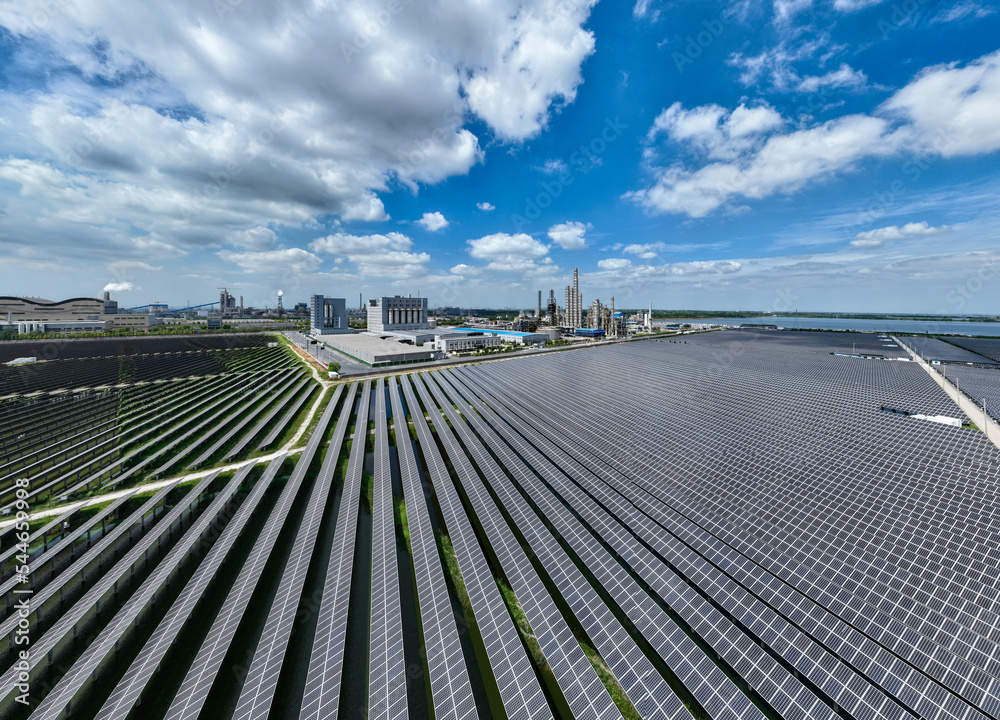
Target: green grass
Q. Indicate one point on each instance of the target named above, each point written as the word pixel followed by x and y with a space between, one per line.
pixel 399 514
pixel 368 490
pixel 525 631
pixel 451 565
pixel 624 705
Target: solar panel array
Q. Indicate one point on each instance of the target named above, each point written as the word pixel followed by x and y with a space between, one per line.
pixel 724 525
pixel 952 352
pixel 987 347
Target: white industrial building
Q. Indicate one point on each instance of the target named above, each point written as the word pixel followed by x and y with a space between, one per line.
pixel 388 314
pixel 462 342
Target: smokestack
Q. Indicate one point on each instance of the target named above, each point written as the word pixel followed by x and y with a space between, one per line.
pixel 107 294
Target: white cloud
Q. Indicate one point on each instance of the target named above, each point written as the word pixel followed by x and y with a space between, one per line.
pixel 713 130
pixel 614 263
pixel 947 109
pixel 486 207
pixel 467 270
pixel 785 9
pixel 255 238
pixel 842 77
pixel 962 10
pixel 775 64
pixel 646 251
pixel 854 5
pixel 230 115
pixel 432 222
pixel 570 235
pixel 386 255
pixel 784 163
pixel 878 237
pixel 953 109
pixel 640 9
pixel 554 167
pixel 510 253
pixel 274 262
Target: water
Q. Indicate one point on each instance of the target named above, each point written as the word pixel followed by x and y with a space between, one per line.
pixel 899 326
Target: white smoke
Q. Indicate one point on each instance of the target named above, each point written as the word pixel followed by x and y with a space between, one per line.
pixel 118 286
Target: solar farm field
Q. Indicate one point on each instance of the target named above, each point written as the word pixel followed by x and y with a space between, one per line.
pixel 61 446
pixel 725 525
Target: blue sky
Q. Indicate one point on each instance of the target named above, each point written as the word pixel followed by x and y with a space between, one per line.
pixel 797 154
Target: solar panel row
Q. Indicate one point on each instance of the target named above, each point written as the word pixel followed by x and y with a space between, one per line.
pixel 387 673
pixel 511 670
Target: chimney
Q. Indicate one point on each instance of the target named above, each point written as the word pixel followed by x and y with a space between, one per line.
pixel 107 294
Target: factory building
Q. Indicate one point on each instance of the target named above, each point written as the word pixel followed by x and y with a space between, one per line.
pixel 328 316
pixel 31 314
pixel 375 351
pixel 462 342
pixel 387 314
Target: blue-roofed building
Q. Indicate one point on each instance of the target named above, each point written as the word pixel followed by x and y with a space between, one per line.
pixel 592 333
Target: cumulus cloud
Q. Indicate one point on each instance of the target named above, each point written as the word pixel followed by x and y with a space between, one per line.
pixel 570 235
pixel 782 164
pixel 486 207
pixel 273 262
pixel 614 263
pixel 878 237
pixel 946 109
pixel 714 131
pixel 255 238
pixel 432 222
pixel 646 251
pixel 510 253
pixel 467 270
pixel 388 255
pixel 181 123
pixel 953 109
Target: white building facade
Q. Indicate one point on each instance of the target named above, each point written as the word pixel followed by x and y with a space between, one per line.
pixel 386 314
